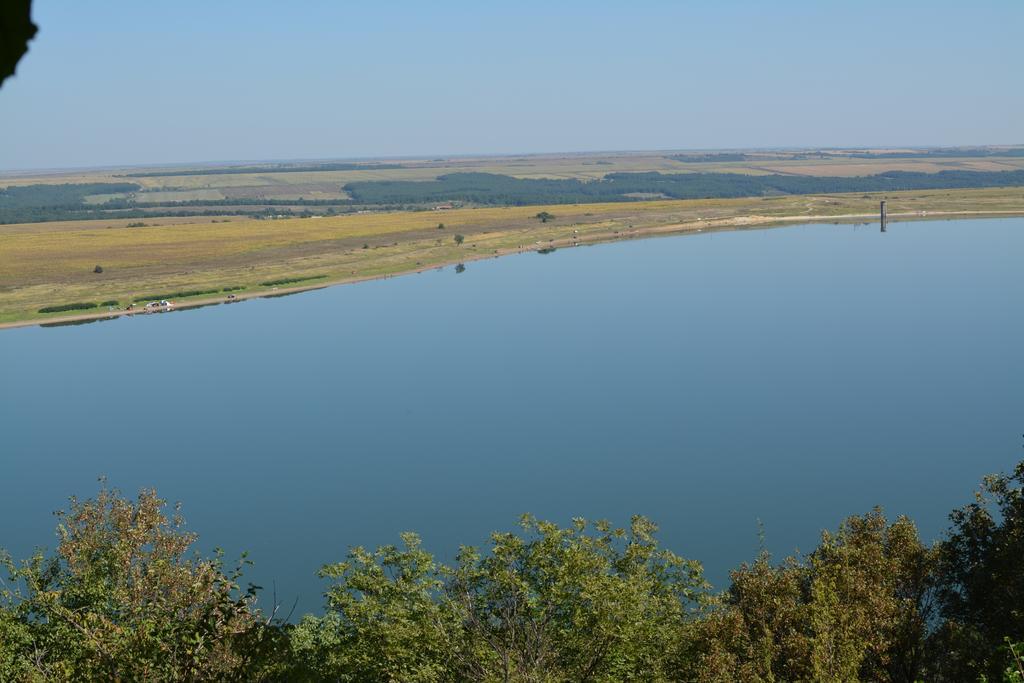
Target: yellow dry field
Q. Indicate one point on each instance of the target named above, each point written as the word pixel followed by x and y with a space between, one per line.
pixel 46 264
pixel 863 167
pixel 280 180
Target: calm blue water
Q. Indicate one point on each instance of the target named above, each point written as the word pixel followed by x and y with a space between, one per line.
pixel 792 376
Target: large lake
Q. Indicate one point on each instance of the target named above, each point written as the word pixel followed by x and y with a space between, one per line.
pixel 792 376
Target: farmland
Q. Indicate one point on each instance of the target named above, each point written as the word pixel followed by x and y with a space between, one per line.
pixel 101 236
pixel 52 263
pixel 214 187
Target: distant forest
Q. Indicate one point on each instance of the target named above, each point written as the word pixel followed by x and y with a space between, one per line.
pixel 69 194
pixel 705 158
pixel 34 203
pixel 486 188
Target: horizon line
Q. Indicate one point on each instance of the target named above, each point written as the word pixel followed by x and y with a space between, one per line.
pixel 216 163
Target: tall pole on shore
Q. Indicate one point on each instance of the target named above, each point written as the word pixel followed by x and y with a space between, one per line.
pixel 881 214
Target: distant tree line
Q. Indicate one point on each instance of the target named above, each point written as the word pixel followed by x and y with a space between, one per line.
pixel 704 158
pixel 126 597
pixel 487 188
pixel 57 196
pixel 47 213
pixel 33 203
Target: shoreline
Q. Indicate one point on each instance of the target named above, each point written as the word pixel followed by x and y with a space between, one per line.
pixel 693 227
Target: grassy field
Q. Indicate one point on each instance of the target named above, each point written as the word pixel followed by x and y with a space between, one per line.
pixel 47 264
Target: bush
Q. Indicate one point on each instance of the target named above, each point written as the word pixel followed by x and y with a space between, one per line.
pixel 111 302
pixel 290 280
pixel 124 598
pixel 67 307
pixel 983 580
pixel 585 602
pixel 98 269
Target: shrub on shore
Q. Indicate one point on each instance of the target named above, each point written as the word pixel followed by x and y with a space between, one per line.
pixel 291 280
pixel 84 306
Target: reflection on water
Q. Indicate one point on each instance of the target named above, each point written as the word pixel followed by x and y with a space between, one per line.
pixel 73 323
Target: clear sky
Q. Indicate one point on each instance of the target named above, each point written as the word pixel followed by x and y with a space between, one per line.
pixel 130 82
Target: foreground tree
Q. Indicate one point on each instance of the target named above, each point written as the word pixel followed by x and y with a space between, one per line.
pixel 858 608
pixel 983 581
pixel 1015 671
pixel 761 630
pixel 548 604
pixel 123 600
pixel 571 604
pixel 16 30
pixel 383 621
pixel 872 601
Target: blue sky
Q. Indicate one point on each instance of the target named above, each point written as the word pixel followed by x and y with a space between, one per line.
pixel 117 82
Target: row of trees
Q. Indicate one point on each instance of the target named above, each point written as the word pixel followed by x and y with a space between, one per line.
pixel 125 598
pixel 35 203
pixel 65 195
pixel 490 188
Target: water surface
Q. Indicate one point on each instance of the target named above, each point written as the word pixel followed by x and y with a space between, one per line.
pixel 792 376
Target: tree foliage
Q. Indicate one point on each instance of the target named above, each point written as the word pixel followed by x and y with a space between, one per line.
pixel 982 589
pixel 16 30
pixel 858 608
pixel 495 189
pixel 34 203
pixel 382 621
pixel 547 604
pixel 125 598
